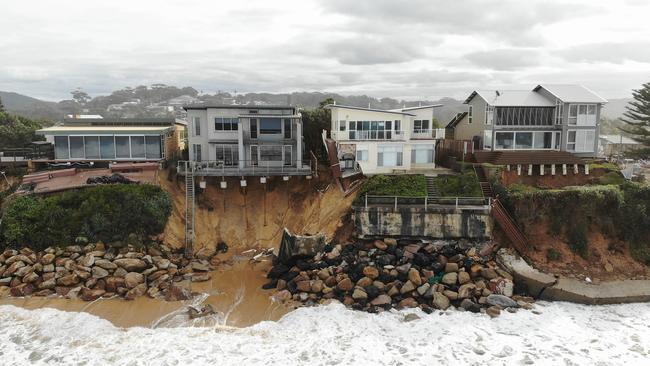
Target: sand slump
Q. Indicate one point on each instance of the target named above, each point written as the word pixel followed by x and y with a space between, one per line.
pixel 256 216
pixel 566 334
pixel 234 292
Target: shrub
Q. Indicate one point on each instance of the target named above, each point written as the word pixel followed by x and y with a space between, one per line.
pixel 463 185
pixel 107 213
pixel 414 185
pixel 553 255
pixel 614 178
pixel 578 239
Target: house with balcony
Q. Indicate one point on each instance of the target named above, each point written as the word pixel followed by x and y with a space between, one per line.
pixel 246 140
pixel 517 126
pixel 378 141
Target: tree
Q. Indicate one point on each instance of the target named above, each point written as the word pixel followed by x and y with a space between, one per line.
pixel 637 120
pixel 2 107
pixel 314 121
pixel 80 96
pixel 16 131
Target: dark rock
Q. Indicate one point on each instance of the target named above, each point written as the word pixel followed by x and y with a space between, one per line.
pixel 502 301
pixel 270 285
pixel 470 305
pixel 372 291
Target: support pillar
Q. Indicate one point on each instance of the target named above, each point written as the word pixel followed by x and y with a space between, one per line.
pixel 563 169
pixel 530 169
pixel 575 169
pixel 552 169
pixel 541 169
pixel 518 169
pixel 586 169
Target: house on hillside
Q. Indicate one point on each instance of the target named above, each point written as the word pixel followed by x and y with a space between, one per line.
pixel 113 139
pixel 384 141
pixel 617 145
pixel 560 121
pixel 246 140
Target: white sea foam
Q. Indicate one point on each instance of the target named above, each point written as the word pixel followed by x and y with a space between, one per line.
pixel 563 334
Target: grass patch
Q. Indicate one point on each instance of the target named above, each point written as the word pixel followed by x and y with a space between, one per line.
pixel 553 255
pixel 613 177
pixel 411 185
pixel 462 185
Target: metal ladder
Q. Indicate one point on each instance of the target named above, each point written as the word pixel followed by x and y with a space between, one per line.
pixel 189 207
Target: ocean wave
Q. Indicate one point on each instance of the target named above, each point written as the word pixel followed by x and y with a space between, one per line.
pixel 561 333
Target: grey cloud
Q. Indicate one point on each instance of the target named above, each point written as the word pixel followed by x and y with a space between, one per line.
pixel 608 52
pixel 372 51
pixel 505 59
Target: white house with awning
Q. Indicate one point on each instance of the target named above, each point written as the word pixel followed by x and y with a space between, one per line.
pixel 106 139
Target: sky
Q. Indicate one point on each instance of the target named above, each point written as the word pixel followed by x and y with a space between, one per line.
pixel 413 50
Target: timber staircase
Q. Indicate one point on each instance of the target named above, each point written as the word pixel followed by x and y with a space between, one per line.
pixel 432 191
pixel 501 215
pixel 189 207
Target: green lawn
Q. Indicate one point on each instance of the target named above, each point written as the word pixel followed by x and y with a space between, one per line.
pixel 412 185
pixel 462 185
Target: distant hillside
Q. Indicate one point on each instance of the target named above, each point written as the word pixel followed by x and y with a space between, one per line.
pixel 30 107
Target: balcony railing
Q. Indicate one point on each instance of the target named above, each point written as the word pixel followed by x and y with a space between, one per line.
pixel 436 133
pixel 246 168
pixel 425 202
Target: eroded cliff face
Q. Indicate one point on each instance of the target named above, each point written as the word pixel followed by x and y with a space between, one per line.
pixel 255 216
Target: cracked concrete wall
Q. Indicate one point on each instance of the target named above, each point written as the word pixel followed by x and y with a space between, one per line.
pixel 436 223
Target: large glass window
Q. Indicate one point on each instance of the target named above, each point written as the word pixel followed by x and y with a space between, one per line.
pixel 253 125
pixel 573 114
pixel 543 140
pixel 227 154
pixel 571 141
pixel 107 147
pixel 76 147
pixel 152 147
pixel 271 153
pixel 504 140
pixel 226 124
pixel 362 154
pixel 196 152
pixel 487 139
pixel 287 128
pixel 420 126
pixel 422 154
pixel 287 155
pixel 342 125
pixel 122 147
pixel 61 147
pixel 389 155
pixel 137 147
pixel 197 126
pixel 270 126
pixel 524 140
pixel 91 147
pixel 371 130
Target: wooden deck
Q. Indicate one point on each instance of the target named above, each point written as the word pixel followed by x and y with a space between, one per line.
pixel 525 157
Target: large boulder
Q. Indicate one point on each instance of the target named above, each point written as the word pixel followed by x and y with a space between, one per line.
pixel 440 301
pixel 68 280
pixel 132 279
pixel 47 258
pixel 178 293
pixel 137 291
pixel 99 272
pixel 502 301
pixel 91 294
pixel 131 264
pixel 105 264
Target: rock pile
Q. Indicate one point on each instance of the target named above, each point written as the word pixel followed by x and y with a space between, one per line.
pixel 93 271
pixel 379 275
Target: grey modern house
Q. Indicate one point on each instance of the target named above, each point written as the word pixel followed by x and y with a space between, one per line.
pixel 246 140
pixel 548 117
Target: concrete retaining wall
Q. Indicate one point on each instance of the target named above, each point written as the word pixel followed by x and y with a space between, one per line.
pixel 436 222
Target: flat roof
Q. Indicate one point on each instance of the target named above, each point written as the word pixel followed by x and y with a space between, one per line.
pixel 618 139
pixel 418 107
pixel 112 120
pixel 235 106
pixel 104 130
pixel 330 106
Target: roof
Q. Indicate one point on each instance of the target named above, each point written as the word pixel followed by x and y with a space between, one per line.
pixel 330 106
pixel 456 120
pixel 120 121
pixel 512 98
pixel 571 93
pixel 103 130
pixel 418 107
pixel 618 139
pixel 236 106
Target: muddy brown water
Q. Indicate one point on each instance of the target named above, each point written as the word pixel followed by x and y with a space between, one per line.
pixel 234 292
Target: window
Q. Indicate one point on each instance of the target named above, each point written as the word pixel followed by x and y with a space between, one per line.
pixel 91 147
pixel 470 114
pixel 342 125
pixel 398 125
pixel 422 154
pixel 370 130
pixel 196 152
pixel 287 155
pixel 107 147
pixel 122 147
pixel 287 128
pixel 420 126
pixel 362 154
pixel 76 147
pixel 270 126
pixel 271 153
pixel 582 114
pixel 542 140
pixel 254 155
pixel 489 114
pixel 226 124
pixel 197 126
pixel 253 128
pixel 152 147
pixel 573 114
pixel 559 112
pixel 252 112
pixel 558 140
pixel 137 147
pixel 61 150
pixel 487 139
pixel 389 155
pixel 523 140
pixel 504 140
pixel 227 154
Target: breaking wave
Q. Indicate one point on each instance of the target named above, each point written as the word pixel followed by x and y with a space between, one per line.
pixel 561 333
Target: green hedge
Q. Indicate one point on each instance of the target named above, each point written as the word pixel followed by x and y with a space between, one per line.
pixel 462 185
pixel 107 213
pixel 411 185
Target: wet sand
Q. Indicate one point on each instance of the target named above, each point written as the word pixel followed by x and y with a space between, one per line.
pixel 234 291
